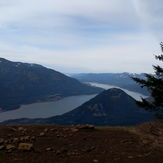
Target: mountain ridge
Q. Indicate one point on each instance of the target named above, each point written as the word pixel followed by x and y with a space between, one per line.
pixel 23 83
pixel 122 80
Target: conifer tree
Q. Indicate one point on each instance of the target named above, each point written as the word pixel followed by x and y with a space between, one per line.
pixel 154 84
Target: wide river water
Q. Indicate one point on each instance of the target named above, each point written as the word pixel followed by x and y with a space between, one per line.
pixel 52 108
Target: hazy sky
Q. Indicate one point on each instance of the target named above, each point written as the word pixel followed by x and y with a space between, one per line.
pixel 82 35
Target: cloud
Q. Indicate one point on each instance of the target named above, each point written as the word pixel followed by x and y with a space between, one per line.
pixel 89 35
pixel 132 57
pixel 151 14
pixel 32 12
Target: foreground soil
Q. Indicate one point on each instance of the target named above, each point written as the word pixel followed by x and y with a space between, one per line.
pixel 81 144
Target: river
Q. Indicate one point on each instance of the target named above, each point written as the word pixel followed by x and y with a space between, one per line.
pixel 52 108
pixel 46 109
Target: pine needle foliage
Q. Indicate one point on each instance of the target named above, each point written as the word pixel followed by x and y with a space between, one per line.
pixel 154 84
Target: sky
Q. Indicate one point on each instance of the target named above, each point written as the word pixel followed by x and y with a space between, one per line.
pixel 82 36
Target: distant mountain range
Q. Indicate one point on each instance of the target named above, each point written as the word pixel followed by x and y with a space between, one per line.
pixel 111 107
pixel 122 80
pixel 22 83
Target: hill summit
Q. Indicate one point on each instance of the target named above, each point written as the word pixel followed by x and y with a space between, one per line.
pixel 111 107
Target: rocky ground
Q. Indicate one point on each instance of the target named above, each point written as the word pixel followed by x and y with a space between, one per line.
pixel 81 144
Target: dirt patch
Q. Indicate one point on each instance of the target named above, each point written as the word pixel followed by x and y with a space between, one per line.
pixel 62 144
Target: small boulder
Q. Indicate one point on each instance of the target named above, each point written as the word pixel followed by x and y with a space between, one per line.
pixel 46 130
pixel 1 140
pixel 25 138
pixel 13 129
pixel 25 146
pixel 130 157
pixel 53 129
pixel 10 147
pixel 2 147
pixel 21 129
pixel 74 130
pixel 42 134
pixel 48 149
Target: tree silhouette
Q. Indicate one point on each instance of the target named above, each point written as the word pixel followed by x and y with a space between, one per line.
pixel 154 84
